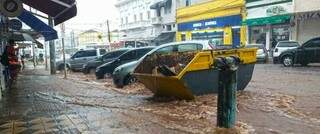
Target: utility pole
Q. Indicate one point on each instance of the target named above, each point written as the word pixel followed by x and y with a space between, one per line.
pixel 34 56
pixel 109 33
pixel 52 51
pixel 46 56
pixel 63 51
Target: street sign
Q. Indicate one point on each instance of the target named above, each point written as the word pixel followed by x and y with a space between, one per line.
pixel 11 8
pixel 15 24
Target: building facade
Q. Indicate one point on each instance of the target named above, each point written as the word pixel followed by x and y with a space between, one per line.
pixel 306 21
pixel 91 37
pixel 135 20
pixel 148 21
pixel 268 21
pixel 217 20
pixel 164 20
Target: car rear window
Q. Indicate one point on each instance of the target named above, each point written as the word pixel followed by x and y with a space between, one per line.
pixel 189 47
pixel 254 46
pixel 288 44
pixel 102 51
pixel 142 52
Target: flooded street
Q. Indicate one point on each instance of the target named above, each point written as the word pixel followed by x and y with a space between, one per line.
pixel 278 100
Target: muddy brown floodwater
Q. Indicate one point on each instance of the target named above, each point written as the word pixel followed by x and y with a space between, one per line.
pixel 278 100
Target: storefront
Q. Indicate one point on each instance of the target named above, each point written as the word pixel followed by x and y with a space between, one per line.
pixel 224 26
pixel 269 23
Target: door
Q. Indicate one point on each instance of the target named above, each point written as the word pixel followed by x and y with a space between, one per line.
pixel 317 50
pixel 76 58
pixel 309 50
pixel 127 57
pixel 82 57
pixel 235 37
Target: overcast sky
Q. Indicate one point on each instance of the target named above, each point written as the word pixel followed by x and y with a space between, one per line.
pixel 91 12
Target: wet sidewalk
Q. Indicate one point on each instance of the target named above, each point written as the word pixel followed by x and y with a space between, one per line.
pixel 41 103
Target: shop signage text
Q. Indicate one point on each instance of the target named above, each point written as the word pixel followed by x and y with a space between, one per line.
pixel 234 20
pixel 271 10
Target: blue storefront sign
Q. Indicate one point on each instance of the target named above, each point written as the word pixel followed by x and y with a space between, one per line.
pixel 234 20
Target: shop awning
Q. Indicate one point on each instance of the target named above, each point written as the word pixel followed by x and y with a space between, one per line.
pixel 36 24
pixel 60 10
pixel 21 37
pixel 268 20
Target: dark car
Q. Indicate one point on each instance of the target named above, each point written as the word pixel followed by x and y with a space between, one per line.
pixel 128 56
pixel 122 75
pixel 309 52
pixel 90 67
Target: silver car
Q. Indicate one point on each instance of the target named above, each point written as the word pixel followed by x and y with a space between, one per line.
pixel 76 61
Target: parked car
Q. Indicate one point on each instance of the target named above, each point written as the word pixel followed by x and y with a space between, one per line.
pixel 122 75
pixel 307 53
pixel 281 47
pixel 76 61
pixel 131 55
pixel 90 66
pixel 262 53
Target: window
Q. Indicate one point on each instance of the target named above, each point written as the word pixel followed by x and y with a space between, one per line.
pixel 114 54
pixel 126 20
pixel 173 25
pixel 168 27
pixel 142 52
pixel 189 47
pixel 188 2
pixel 121 20
pixel 135 18
pixel 128 56
pixel 79 54
pixel 141 16
pixel 313 43
pixel 148 15
pixel 90 53
pixel 108 56
pixel 102 51
pixel 288 44
pixel 165 50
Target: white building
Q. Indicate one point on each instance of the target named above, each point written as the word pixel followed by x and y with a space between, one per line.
pixel 307 20
pixel 150 21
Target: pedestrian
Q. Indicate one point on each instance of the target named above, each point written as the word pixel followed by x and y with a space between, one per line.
pixel 14 65
pixel 22 61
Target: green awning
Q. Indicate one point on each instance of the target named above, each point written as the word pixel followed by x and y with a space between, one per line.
pixel 267 20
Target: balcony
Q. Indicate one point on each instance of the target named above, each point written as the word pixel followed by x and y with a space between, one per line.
pixel 156 21
pixel 135 25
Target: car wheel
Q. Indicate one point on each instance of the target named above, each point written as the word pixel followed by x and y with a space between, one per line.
pixel 92 71
pixel 287 61
pixel 118 85
pixel 304 63
pixel 61 67
pixel 130 79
